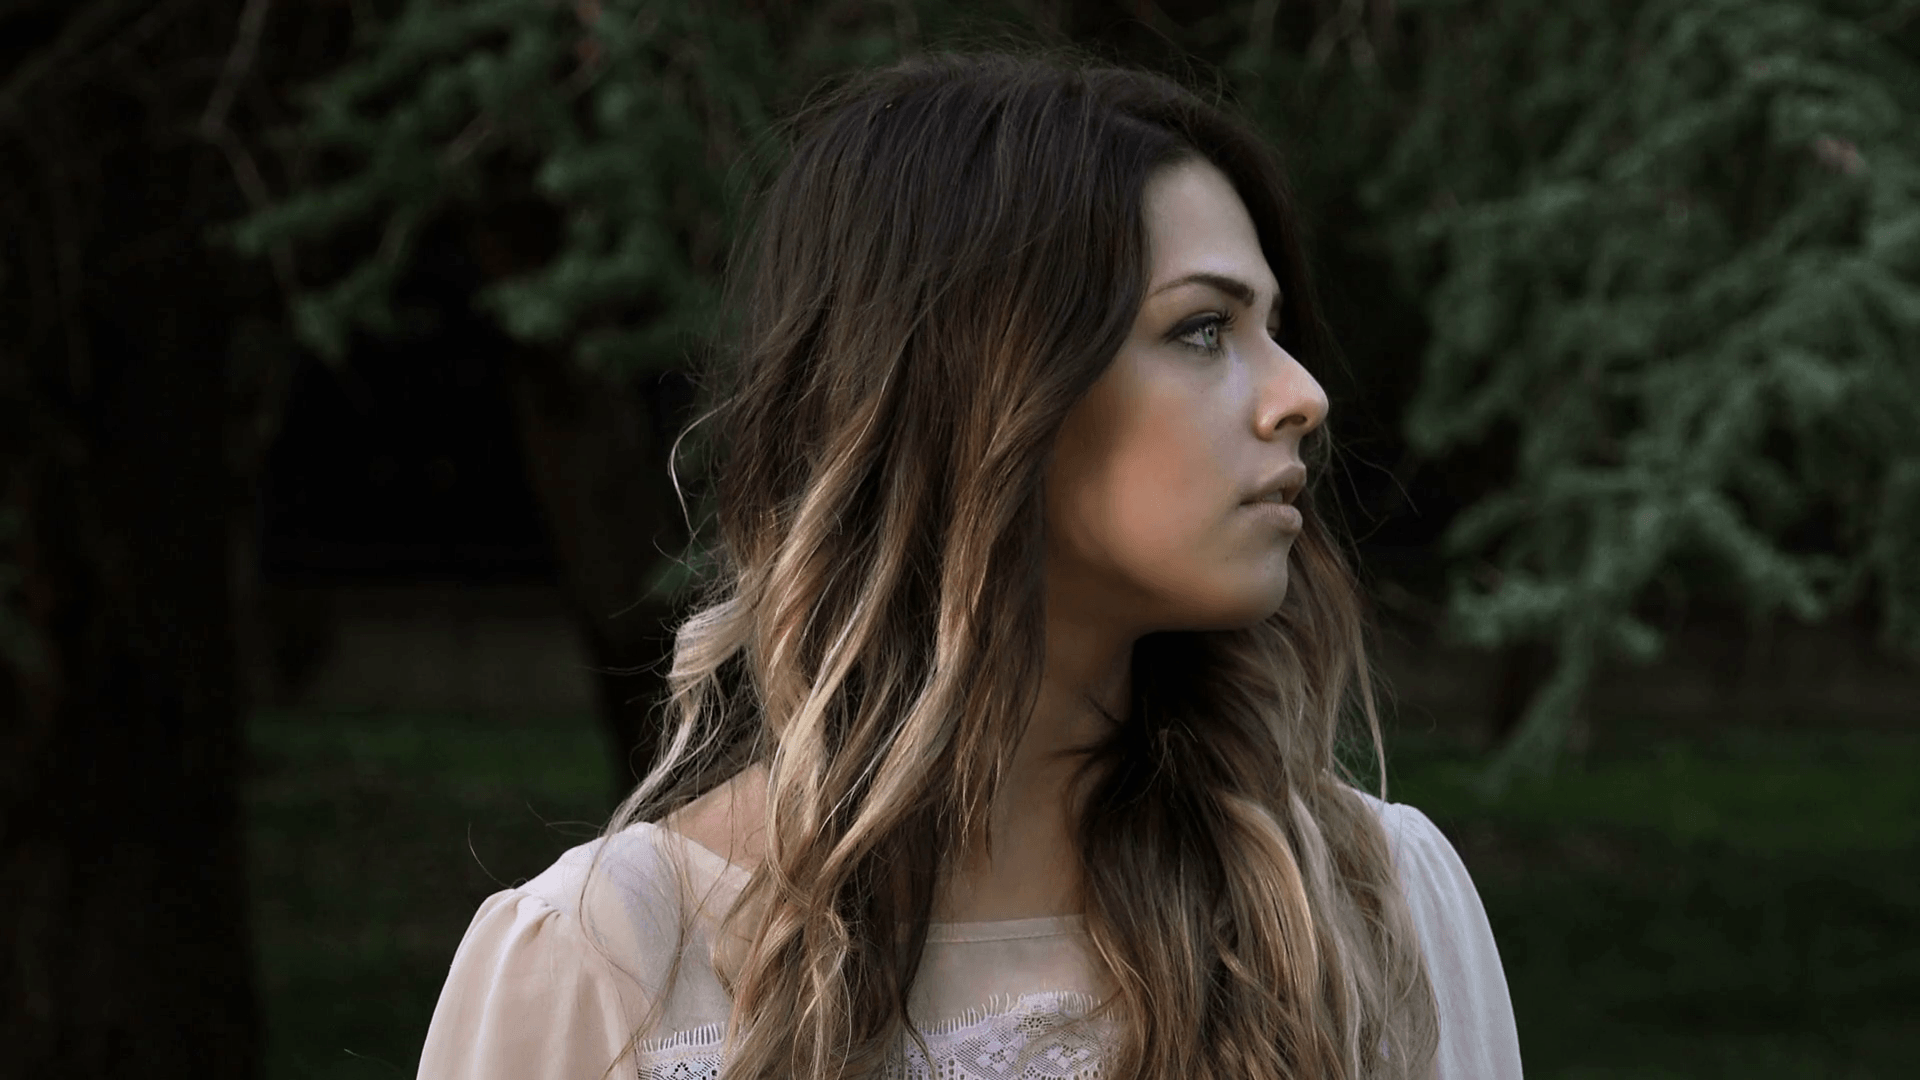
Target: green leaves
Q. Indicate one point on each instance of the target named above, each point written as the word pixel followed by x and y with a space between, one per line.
pixel 631 117
pixel 1692 296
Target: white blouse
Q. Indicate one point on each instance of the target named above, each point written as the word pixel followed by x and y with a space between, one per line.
pixel 528 997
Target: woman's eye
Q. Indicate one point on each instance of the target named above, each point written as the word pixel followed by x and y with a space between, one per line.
pixel 1204 334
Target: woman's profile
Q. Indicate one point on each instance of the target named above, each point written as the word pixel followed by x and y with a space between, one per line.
pixel 1002 740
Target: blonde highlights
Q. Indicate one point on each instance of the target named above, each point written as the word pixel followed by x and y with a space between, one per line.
pixel 952 256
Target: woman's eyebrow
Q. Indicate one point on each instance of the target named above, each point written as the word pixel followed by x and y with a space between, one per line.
pixel 1232 286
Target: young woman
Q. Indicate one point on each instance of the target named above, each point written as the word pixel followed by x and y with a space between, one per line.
pixel 1004 739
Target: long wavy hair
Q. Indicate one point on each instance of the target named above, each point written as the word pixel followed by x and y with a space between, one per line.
pixel 953 253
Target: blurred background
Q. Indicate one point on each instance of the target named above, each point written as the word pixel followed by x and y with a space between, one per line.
pixel 343 344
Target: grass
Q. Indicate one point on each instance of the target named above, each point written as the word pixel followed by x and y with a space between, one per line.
pixel 1740 905
pixel 373 839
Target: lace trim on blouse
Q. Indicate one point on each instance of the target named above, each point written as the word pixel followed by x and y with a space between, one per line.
pixel 1025 1037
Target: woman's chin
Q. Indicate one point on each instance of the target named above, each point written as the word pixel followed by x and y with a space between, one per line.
pixel 1251 607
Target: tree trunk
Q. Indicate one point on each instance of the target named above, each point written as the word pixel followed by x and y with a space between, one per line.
pixel 596 450
pixel 1521 670
pixel 124 896
pixel 136 397
pixel 597 458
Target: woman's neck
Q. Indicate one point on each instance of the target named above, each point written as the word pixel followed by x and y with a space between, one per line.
pixel 1033 868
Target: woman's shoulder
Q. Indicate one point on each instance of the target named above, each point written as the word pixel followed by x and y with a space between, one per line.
pixel 1412 836
pixel 553 973
pixel 1435 881
pixel 1478 1036
pixel 646 879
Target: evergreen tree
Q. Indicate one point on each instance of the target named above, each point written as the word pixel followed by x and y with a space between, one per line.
pixel 1669 248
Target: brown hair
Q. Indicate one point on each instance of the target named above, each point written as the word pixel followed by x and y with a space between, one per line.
pixel 953 254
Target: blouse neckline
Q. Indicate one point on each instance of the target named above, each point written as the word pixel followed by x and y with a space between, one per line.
pixel 1041 926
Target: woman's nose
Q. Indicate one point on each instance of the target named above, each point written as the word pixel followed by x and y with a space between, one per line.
pixel 1293 401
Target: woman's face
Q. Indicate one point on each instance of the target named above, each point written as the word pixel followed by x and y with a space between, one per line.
pixel 1149 526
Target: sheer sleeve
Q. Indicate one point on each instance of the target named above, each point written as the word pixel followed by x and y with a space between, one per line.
pixel 526 998
pixel 1478 1040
